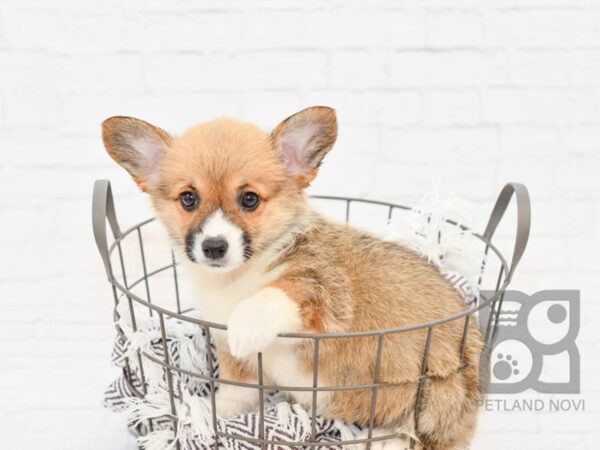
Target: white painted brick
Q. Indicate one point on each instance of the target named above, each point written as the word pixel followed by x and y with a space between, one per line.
pixel 357 68
pixel 262 70
pixel 174 111
pixel 544 4
pixel 540 67
pixel 353 107
pixel 12 224
pixel 579 258
pixel 441 145
pixel 175 6
pixel 562 217
pixel 103 30
pixel 23 27
pixel 91 331
pixel 290 29
pixel 16 332
pixel 60 183
pixel 194 32
pixel 542 28
pixel 33 151
pixel 3 42
pixel 500 421
pixel 534 281
pixel 28 70
pixel 455 29
pixel 447 68
pixel 580 179
pixel 49 421
pixel 358 140
pixel 388 107
pixel 544 254
pixel 70 29
pixel 583 141
pixel 177 111
pixel 355 175
pixel 513 105
pixel 34 108
pixel 399 108
pixel 405 183
pixel 2 114
pixel 373 28
pixel 302 69
pixel 268 108
pixel 539 174
pixel 83 113
pixel 529 441
pixel 530 140
pixel 585 66
pixel 563 421
pixel 192 71
pixel 100 73
pixel 589 334
pixel 592 439
pixel 447 107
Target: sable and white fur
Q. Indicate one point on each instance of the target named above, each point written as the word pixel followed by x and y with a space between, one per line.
pixel 288 269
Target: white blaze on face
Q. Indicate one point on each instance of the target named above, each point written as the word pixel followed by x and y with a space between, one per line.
pixel 217 226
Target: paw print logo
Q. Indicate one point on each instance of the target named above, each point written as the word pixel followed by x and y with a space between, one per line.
pixel 534 343
pixel 505 367
pixel 511 363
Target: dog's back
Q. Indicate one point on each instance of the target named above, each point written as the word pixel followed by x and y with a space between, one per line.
pixel 374 285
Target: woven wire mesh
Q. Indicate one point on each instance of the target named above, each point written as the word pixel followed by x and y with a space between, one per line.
pixel 138 290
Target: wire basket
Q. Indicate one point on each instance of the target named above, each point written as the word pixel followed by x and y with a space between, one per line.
pixel 151 286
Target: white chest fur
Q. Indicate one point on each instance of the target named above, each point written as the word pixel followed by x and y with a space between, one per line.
pixel 217 296
pixel 217 293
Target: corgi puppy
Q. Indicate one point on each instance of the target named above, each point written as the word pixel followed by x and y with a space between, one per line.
pixel 263 262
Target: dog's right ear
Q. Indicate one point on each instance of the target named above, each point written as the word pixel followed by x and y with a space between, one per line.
pixel 137 146
pixel 304 139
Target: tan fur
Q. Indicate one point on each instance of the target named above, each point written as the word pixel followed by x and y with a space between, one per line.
pixel 342 279
pixel 360 283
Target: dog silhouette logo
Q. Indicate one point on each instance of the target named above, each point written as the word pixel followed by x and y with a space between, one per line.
pixel 534 345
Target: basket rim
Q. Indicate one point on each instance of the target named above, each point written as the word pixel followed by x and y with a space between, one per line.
pixel 304 335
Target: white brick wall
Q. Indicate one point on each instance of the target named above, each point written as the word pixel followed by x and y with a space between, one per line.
pixel 472 93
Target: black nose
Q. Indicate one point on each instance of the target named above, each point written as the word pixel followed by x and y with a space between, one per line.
pixel 214 248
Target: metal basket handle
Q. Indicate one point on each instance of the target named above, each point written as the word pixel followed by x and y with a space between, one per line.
pixel 103 209
pixel 523 220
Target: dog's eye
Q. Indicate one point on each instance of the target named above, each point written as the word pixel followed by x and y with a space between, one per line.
pixel 189 200
pixel 249 201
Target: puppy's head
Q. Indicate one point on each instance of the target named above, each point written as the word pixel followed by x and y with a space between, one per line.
pixel 225 190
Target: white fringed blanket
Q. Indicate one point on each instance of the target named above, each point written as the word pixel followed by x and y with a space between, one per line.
pixel 145 411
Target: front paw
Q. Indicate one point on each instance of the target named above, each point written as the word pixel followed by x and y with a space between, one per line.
pixel 250 330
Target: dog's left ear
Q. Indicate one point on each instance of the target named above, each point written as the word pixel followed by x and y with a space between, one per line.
pixel 137 146
pixel 304 139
